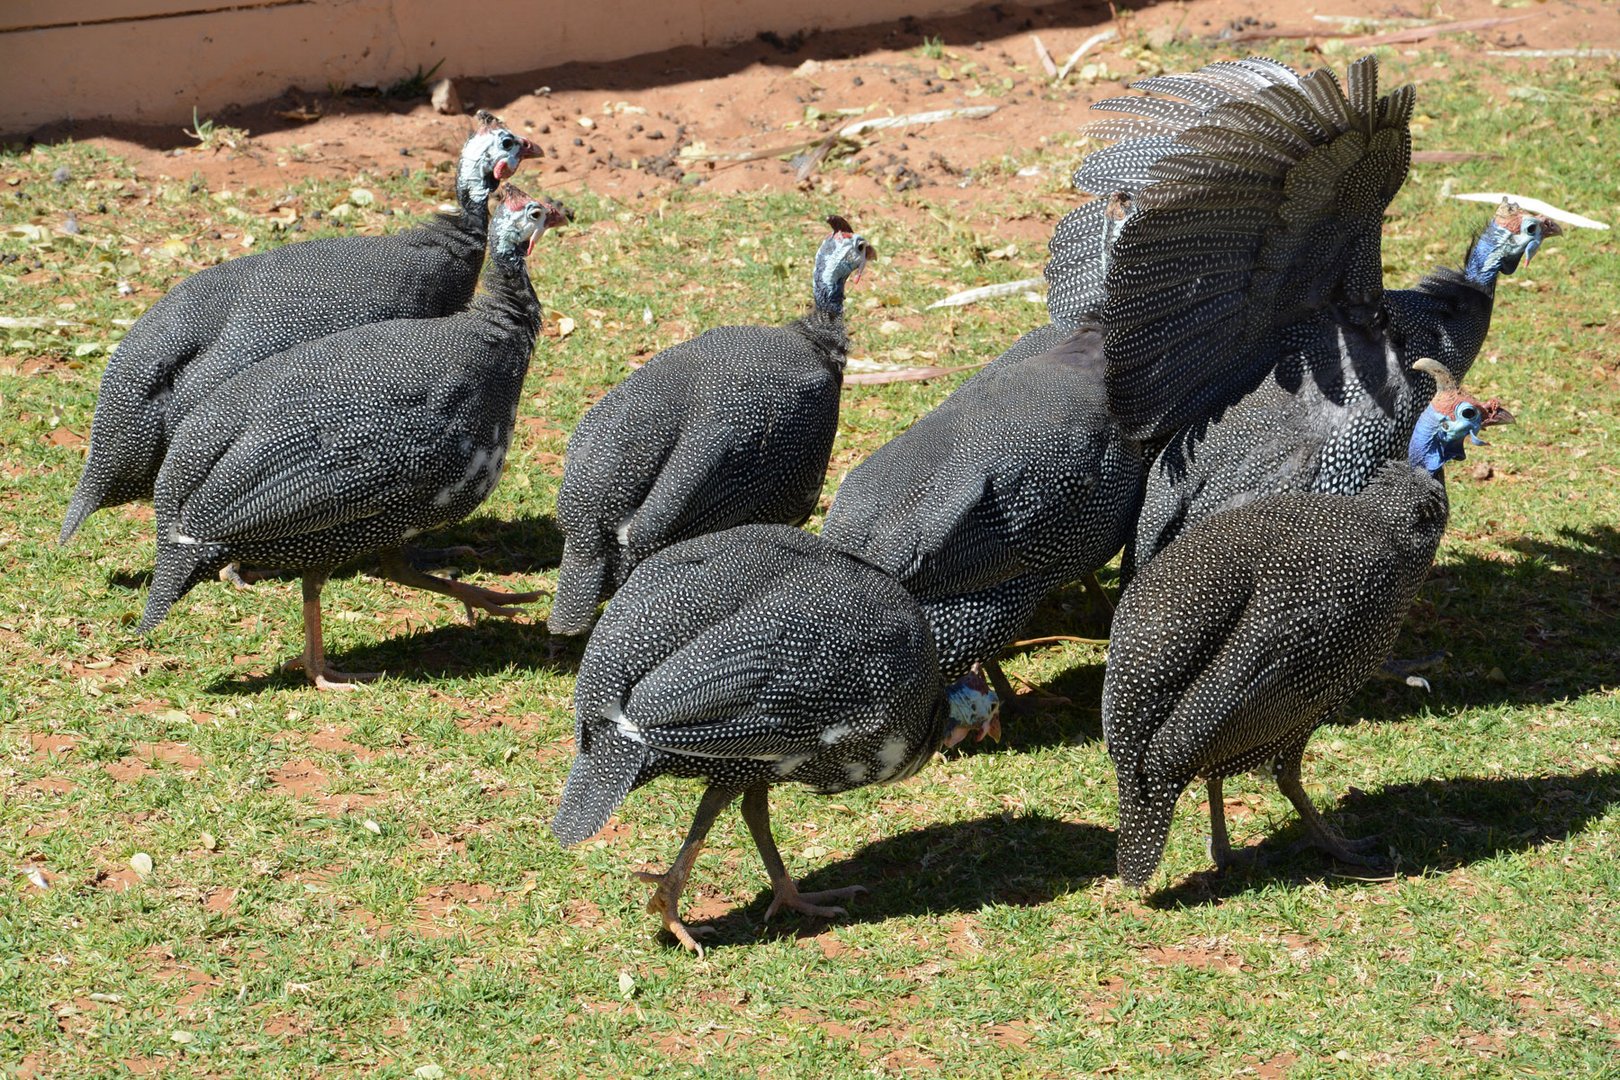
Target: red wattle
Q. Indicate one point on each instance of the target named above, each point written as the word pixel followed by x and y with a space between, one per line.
pixel 502 169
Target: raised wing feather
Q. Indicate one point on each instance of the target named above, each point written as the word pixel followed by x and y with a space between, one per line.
pixel 1287 176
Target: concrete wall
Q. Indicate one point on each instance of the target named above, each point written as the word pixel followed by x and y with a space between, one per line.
pixel 152 61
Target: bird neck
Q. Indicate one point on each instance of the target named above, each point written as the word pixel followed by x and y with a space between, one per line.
pixel 507 288
pixel 1430 448
pixel 827 286
pixel 1488 257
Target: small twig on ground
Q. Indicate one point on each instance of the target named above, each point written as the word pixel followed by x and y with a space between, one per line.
pixel 1045 57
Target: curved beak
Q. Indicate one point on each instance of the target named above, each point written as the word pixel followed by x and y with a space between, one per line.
pixel 1497 414
pixel 527 149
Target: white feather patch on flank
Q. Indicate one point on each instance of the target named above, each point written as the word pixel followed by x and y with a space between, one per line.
pixel 788 764
pixel 891 755
pixel 444 496
pixel 855 770
pixel 834 733
pixel 614 711
pixel 624 533
pixel 178 537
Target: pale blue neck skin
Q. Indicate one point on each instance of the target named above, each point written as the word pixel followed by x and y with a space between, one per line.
pixel 1437 439
pixel 1495 252
pixel 838 257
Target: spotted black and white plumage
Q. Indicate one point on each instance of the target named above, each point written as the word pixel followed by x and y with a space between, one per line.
pixel 1240 277
pixel 730 428
pixel 228 317
pixel 357 441
pixel 756 656
pixel 1018 483
pixel 1255 626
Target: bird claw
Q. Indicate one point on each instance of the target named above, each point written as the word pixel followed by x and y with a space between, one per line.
pixel 328 678
pixel 790 897
pixel 663 904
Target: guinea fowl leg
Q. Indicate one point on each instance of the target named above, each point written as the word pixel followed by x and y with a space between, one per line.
pixel 1220 844
pixel 1322 835
pixel 1095 588
pixel 756 811
pixel 314 659
pixel 666 898
pixel 397 568
pixel 1012 701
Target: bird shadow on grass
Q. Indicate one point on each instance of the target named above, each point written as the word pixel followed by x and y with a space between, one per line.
pixel 451 651
pixel 525 545
pixel 962 866
pixel 1430 827
pixel 1538 625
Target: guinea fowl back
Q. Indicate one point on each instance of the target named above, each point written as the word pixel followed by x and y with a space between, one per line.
pixel 356 442
pixel 792 631
pixel 1016 484
pixel 732 427
pixel 230 316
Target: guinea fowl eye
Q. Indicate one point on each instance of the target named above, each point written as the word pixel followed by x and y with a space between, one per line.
pixel 1532 228
pixel 1468 412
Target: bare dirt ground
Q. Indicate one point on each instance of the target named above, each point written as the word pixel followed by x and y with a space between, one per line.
pixel 631 127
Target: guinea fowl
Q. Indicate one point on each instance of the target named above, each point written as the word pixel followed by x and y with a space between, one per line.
pixel 1249 334
pixel 1018 483
pixel 355 443
pixel 731 428
pixel 756 656
pixel 1257 624
pixel 230 316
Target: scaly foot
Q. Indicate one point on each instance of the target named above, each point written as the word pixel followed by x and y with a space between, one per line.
pixel 664 903
pixel 787 895
pixel 326 677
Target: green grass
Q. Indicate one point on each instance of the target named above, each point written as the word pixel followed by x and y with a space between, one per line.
pixel 455 934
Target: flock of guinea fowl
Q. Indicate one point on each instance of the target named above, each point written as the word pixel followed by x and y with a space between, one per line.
pixel 1225 391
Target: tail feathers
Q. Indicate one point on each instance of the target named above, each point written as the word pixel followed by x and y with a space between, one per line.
pixel 603 774
pixel 1146 806
pixel 582 584
pixel 85 502
pixel 179 567
pixel 100 487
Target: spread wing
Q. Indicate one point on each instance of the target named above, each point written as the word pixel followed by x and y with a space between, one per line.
pixel 1251 203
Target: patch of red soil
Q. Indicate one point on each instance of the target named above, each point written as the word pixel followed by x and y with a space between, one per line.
pixel 582 913
pixel 221 901
pixel 49 785
pixel 499 722
pixel 197 983
pixel 658 121
pixel 128 770
pixel 1194 956
pixel 298 778
pixel 436 910
pixel 336 739
pixel 118 880
pixel 1014 1034
pixel 1275 1067
pixel 140 1065
pixel 170 753
pixel 47 743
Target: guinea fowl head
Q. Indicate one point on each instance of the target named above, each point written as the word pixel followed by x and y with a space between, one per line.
pixel 1452 418
pixel 491 154
pixel 1512 235
pixel 519 222
pixel 974 708
pixel 841 255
